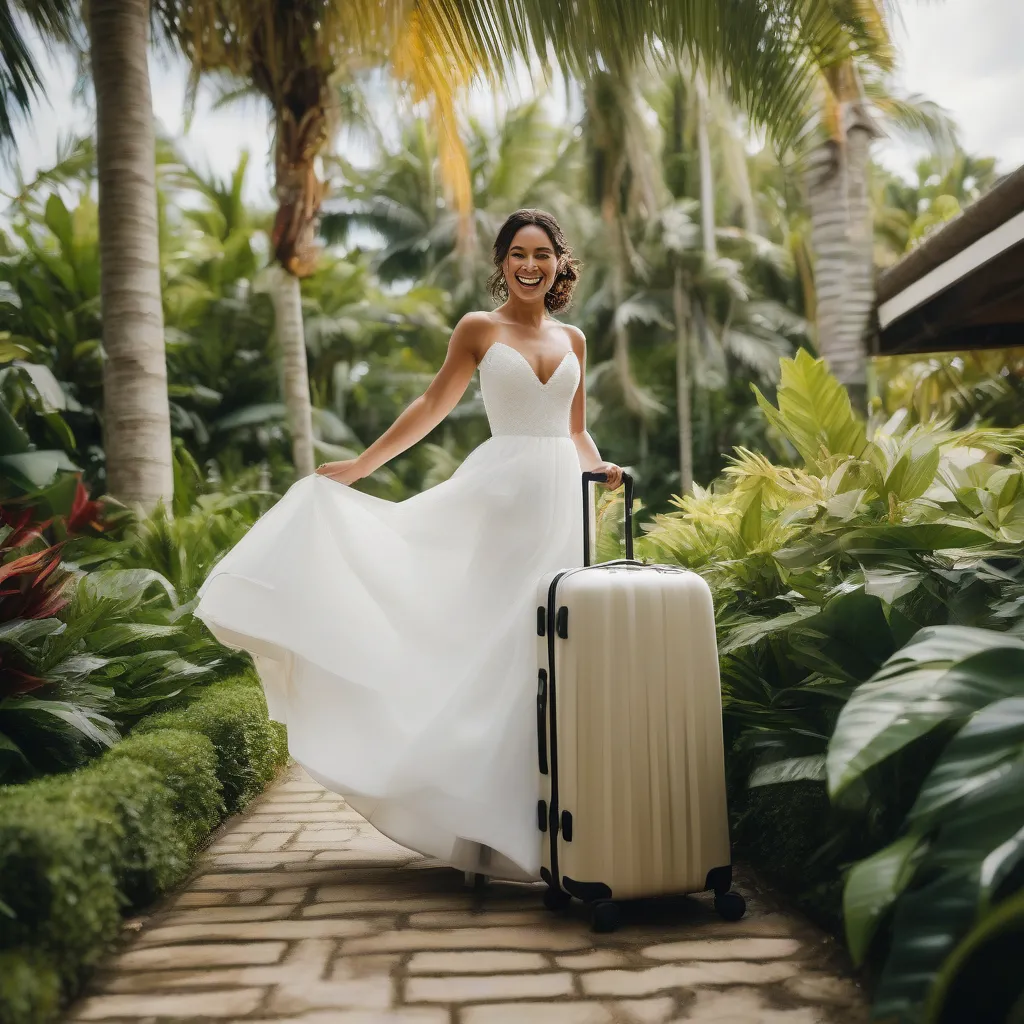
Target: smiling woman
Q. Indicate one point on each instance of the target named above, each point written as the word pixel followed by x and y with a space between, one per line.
pixel 397 639
pixel 532 253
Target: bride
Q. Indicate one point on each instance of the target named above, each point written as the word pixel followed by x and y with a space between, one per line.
pixel 396 640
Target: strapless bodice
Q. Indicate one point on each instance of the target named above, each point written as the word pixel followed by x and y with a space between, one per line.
pixel 515 399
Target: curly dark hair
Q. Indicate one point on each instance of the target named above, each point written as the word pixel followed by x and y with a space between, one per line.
pixel 560 294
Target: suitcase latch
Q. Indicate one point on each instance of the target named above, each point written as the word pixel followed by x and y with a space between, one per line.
pixel 562 622
pixel 567 826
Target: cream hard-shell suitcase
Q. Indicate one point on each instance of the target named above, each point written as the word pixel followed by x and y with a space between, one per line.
pixel 629 733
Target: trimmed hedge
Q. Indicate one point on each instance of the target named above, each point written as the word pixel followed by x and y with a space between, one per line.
pixel 249 747
pixel 77 850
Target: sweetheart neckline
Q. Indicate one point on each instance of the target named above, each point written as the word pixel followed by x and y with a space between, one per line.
pixel 529 365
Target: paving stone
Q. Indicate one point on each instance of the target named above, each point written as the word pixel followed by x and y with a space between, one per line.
pixel 724 949
pixel 474 988
pixel 326 835
pixel 595 960
pixel 355 994
pixel 360 858
pixel 292 896
pixel 476 962
pixel 744 1007
pixel 400 888
pixel 261 825
pixel 345 967
pixel 226 1003
pixel 269 841
pixel 651 980
pixel 189 898
pixel 263 879
pixel 256 930
pixel 201 915
pixel 633 1011
pixel 261 861
pixel 413 940
pixel 465 918
pixel 204 955
pixel 383 906
pixel 251 896
pixel 823 988
pixel 234 839
pixel 294 921
pixel 308 959
pixel 295 817
pixel 401 1015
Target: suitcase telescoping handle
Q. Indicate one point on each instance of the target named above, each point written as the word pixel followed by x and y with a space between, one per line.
pixel 628 482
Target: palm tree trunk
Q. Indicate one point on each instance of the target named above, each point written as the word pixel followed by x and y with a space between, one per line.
pixel 286 296
pixel 707 179
pixel 136 413
pixel 828 199
pixel 681 307
pixel 852 355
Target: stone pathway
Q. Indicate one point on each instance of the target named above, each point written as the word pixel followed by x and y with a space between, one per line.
pixel 300 912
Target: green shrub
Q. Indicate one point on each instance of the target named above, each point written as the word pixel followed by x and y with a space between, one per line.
pixel 76 849
pixel 29 987
pixel 152 853
pixel 783 830
pixel 58 878
pixel 187 763
pixel 250 748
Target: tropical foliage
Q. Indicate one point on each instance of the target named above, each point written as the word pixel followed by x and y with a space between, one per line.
pixel 870 601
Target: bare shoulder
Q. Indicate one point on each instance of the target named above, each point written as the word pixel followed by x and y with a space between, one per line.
pixel 577 339
pixel 473 334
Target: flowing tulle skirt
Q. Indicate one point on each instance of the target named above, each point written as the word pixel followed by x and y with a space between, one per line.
pixel 397 642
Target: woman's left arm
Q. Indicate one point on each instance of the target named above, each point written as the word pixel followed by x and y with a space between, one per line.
pixel 590 457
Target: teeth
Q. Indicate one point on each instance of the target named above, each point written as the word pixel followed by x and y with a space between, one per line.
pixel 528 280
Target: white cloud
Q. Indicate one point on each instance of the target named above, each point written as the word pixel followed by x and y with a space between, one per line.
pixel 968 56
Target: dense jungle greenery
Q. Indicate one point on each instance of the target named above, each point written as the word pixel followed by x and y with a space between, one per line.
pixel 867 569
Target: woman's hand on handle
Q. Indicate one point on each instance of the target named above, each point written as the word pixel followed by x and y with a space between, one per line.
pixel 613 474
pixel 346 472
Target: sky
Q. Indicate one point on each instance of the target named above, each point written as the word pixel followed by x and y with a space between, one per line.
pixel 967 55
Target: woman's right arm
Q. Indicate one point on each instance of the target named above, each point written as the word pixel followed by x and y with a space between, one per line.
pixel 465 348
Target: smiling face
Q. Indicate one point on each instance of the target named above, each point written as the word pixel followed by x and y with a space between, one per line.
pixel 531 266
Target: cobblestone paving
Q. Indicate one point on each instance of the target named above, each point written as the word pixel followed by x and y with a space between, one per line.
pixel 300 912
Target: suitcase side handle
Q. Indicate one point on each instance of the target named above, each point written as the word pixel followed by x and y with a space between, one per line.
pixel 627 480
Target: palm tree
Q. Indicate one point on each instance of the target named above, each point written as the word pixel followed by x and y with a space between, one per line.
pixel 19 75
pixel 854 102
pixel 905 211
pixel 135 411
pixel 292 55
pixel 526 160
pixel 136 415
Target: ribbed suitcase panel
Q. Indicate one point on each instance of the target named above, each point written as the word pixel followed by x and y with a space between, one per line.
pixel 639 730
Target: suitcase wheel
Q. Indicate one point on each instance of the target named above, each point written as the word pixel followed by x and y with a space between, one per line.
pixel 556 899
pixel 731 906
pixel 604 916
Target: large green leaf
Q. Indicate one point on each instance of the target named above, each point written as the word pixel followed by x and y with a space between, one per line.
pixel 814 413
pixel 872 887
pixel 751 633
pixel 884 540
pixel 981 980
pixel 986 747
pixel 87 721
pixel 941 678
pixel 125 586
pixel 792 769
pixel 35 469
pixel 932 917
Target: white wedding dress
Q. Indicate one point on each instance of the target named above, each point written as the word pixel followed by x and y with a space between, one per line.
pixel 397 640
